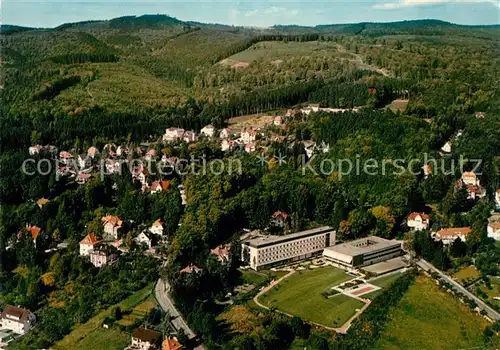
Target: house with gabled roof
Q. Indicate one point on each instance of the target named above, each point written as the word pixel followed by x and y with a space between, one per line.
pixel 449 235
pixel 418 221
pixel 497 198
pixel 34 231
pixel 92 152
pixel 494 230
pixel 112 226
pixel 144 339
pixel 102 256
pixel 224 133
pixel 157 227
pixel 17 319
pixel 208 130
pixel 160 186
pixel 171 343
pixel 145 237
pixel 87 244
pixel 190 269
pixel 221 252
pixel 41 202
pixel 279 218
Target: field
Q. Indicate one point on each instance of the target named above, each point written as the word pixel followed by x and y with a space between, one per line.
pixel 469 272
pixel 276 51
pixel 257 278
pixel 92 336
pixel 139 311
pixel 492 293
pixel 429 318
pixel 382 282
pixel 300 295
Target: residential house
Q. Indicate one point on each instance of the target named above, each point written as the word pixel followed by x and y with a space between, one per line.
pixel 34 231
pixel 224 133
pixel 190 269
pixel 92 152
pixel 82 178
pixel 65 157
pixel 189 136
pixel 160 186
pixel 113 166
pixel 35 149
pixel 418 221
pixel 145 339
pixel 17 319
pixel 122 151
pixel 470 178
pixel 171 343
pixel 41 202
pixel 150 155
pixel 87 244
pixel 446 147
pixel 84 161
pixel 427 169
pixel 279 219
pixel 449 235
pixel 221 252
pixel 278 120
pixel 112 226
pixel 182 192
pixel 479 115
pixel 228 145
pixel 140 173
pixel 250 147
pixel 248 136
pixel 173 134
pixel 157 227
pixel 101 256
pixel 145 237
pixel 208 130
pixel 497 198
pixel 494 230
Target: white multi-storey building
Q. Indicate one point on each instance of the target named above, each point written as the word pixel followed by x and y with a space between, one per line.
pixel 265 251
pixel 17 319
pixel 494 230
pixel 418 221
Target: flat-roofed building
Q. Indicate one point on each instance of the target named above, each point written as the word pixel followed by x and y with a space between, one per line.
pixel 263 251
pixel 362 252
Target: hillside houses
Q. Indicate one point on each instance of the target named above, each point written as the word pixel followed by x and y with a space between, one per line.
pixel 17 319
pixel 470 182
pixel 221 252
pixel 88 243
pixel 449 235
pixel 493 230
pixel 418 221
pixel 173 134
pixel 208 131
pixel 112 226
pixel 102 256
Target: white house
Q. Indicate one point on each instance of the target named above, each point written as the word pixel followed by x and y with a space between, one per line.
pixel 248 136
pixel 494 230
pixel 189 136
pixel 469 178
pixel 250 147
pixel 122 150
pixel 112 226
pixel 224 133
pixel 228 145
pixel 208 130
pixel 446 147
pixel 17 319
pixel 145 237
pixel 279 218
pixel 173 134
pixel 100 257
pixel 157 228
pixel 418 221
pixel 449 235
pixel 35 149
pixel 87 244
pixel 182 192
pixel 278 120
pixel 497 198
pixel 145 339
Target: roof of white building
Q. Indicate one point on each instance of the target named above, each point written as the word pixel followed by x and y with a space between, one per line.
pixel 265 240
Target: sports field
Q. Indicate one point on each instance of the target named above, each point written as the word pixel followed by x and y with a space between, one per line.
pixel 300 295
pixel 429 318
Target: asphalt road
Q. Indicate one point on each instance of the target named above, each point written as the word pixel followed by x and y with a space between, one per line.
pixel 161 292
pixel 429 267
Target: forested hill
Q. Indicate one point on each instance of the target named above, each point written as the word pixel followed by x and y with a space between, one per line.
pixel 158 68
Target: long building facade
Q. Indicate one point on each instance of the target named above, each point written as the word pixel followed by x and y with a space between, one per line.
pixel 362 252
pixel 264 251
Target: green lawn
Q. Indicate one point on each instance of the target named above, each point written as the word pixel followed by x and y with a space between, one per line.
pixel 469 272
pixel 493 292
pixel 258 277
pixel 300 294
pixel 92 336
pixel 382 282
pixel 428 318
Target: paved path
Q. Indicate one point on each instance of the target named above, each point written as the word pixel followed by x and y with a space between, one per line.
pixel 429 267
pixel 342 329
pixel 163 298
